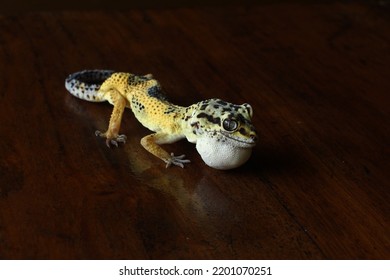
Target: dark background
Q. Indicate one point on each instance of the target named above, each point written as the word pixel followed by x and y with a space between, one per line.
pixel 316 187
pixel 47 5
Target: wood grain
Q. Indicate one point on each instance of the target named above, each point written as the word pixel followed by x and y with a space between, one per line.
pixel 316 186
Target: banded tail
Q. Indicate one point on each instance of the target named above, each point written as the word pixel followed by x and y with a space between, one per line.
pixel 86 84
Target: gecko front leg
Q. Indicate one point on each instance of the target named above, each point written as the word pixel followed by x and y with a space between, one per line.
pixel 151 144
pixel 112 134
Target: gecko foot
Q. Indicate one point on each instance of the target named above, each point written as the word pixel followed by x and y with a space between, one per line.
pixel 112 140
pixel 177 160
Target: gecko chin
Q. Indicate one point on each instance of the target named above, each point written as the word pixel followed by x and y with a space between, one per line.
pixel 223 155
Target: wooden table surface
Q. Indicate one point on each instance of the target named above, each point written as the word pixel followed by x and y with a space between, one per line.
pixel 316 186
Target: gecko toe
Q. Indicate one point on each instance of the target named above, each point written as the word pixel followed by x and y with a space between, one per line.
pixel 111 140
pixel 98 133
pixel 121 138
pixel 177 160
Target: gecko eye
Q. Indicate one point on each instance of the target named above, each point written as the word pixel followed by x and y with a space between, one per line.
pixel 230 125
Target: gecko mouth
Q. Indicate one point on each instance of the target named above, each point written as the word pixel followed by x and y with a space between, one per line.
pixel 244 143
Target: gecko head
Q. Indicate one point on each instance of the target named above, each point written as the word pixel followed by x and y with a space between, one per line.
pixel 224 121
pixel 224 132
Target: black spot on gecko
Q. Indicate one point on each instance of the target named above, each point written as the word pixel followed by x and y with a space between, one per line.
pixel 209 118
pixel 243 131
pixel 226 109
pixel 241 118
pixel 137 105
pixel 204 106
pixel 221 102
pixel 195 124
pixel 170 110
pixel 155 92
pixel 236 107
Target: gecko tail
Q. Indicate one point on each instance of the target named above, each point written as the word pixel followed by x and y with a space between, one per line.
pixel 86 84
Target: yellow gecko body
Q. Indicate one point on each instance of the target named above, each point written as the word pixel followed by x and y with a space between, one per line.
pixel 214 121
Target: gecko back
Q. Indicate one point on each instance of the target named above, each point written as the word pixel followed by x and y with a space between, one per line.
pixel 86 84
